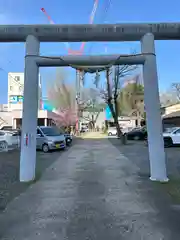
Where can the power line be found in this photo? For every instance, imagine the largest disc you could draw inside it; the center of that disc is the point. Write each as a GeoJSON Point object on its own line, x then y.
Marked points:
{"type": "Point", "coordinates": [52, 22]}
{"type": "Point", "coordinates": [2, 69]}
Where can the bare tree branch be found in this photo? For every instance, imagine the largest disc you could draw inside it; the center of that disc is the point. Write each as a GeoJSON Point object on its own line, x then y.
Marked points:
{"type": "Point", "coordinates": [176, 88]}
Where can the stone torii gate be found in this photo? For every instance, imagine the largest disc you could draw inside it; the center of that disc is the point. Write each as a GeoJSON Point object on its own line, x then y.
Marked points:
{"type": "Point", "coordinates": [146, 33]}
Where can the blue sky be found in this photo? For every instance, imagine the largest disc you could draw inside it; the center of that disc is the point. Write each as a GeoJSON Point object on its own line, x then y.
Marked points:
{"type": "Point", "coordinates": [78, 11]}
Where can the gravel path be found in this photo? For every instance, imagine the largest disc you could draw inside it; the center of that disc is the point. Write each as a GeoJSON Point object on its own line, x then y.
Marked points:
{"type": "Point", "coordinates": [92, 192]}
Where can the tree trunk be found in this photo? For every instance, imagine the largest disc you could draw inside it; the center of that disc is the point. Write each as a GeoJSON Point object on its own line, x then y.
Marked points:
{"type": "Point", "coordinates": [115, 117]}
{"type": "Point", "coordinates": [119, 133]}
{"type": "Point", "coordinates": [139, 118]}
{"type": "Point", "coordinates": [111, 107]}
{"type": "Point", "coordinates": [93, 122]}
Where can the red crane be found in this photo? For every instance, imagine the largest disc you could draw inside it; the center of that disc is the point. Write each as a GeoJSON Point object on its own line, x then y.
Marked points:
{"type": "Point", "coordinates": [71, 51]}
{"type": "Point", "coordinates": [75, 52]}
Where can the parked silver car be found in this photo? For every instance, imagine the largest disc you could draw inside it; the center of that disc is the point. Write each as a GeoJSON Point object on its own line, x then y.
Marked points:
{"type": "Point", "coordinates": [49, 138]}
{"type": "Point", "coordinates": [9, 140]}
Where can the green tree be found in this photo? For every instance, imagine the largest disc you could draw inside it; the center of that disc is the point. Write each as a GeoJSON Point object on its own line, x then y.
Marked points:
{"type": "Point", "coordinates": [113, 89]}
{"type": "Point", "coordinates": [131, 100]}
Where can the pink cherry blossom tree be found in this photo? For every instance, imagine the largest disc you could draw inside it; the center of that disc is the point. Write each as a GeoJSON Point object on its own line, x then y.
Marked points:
{"type": "Point", "coordinates": [63, 98]}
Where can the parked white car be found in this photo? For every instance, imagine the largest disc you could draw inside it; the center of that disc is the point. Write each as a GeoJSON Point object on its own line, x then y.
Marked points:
{"type": "Point", "coordinates": [113, 132]}
{"type": "Point", "coordinates": [8, 139]}
{"type": "Point", "coordinates": [171, 136]}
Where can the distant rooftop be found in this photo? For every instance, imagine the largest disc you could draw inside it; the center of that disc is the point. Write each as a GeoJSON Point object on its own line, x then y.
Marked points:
{"type": "Point", "coordinates": [172, 115]}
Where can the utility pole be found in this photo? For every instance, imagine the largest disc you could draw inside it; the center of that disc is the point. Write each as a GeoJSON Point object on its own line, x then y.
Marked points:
{"type": "Point", "coordinates": [79, 82]}
{"type": "Point", "coordinates": [97, 78]}
{"type": "Point", "coordinates": [77, 102]}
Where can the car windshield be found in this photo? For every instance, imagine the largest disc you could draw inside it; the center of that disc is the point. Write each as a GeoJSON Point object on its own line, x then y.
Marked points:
{"type": "Point", "coordinates": [137, 129]}
{"type": "Point", "coordinates": [169, 130]}
{"type": "Point", "coordinates": [51, 131]}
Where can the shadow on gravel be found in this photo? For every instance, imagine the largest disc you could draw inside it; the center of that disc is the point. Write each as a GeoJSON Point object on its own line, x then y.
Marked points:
{"type": "Point", "coordinates": [164, 196]}
{"type": "Point", "coordinates": [10, 187]}
{"type": "Point", "coordinates": [137, 152]}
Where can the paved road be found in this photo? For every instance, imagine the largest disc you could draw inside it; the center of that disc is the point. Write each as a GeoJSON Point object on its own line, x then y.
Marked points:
{"type": "Point", "coordinates": [91, 192]}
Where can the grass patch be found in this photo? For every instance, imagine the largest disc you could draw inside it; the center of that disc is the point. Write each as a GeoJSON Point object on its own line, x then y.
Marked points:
{"type": "Point", "coordinates": [10, 186]}
{"type": "Point", "coordinates": [172, 188]}
{"type": "Point", "coordinates": [105, 131]}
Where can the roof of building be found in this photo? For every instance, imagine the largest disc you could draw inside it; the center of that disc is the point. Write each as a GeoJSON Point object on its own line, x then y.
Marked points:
{"type": "Point", "coordinates": [170, 105]}
{"type": "Point", "coordinates": [172, 115]}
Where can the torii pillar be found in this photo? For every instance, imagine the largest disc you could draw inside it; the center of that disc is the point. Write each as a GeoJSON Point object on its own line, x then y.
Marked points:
{"type": "Point", "coordinates": [30, 111]}
{"type": "Point", "coordinates": [153, 114]}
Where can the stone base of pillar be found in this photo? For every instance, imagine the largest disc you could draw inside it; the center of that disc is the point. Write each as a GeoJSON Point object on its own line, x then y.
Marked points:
{"type": "Point", "coordinates": [159, 180]}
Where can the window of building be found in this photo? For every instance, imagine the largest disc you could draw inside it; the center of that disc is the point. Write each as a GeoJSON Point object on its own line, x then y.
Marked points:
{"type": "Point", "coordinates": [11, 88]}
{"type": "Point", "coordinates": [20, 88]}
{"type": "Point", "coordinates": [17, 78]}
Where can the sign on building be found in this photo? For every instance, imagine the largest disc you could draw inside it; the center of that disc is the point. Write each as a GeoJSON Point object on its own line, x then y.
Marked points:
{"type": "Point", "coordinates": [15, 99]}
{"type": "Point", "coordinates": [108, 113]}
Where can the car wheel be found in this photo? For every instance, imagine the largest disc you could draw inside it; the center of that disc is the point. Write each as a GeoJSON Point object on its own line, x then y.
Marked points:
{"type": "Point", "coordinates": [136, 138]}
{"type": "Point", "coordinates": [109, 134]}
{"type": "Point", "coordinates": [168, 142]}
{"type": "Point", "coordinates": [45, 148]}
{"type": "Point", "coordinates": [68, 142]}
{"type": "Point", "coordinates": [146, 142]}
{"type": "Point", "coordinates": [4, 145]}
